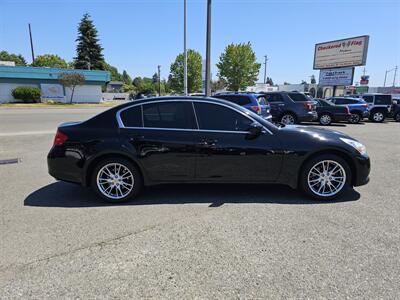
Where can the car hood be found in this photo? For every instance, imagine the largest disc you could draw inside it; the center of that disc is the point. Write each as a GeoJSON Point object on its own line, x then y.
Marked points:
{"type": "Point", "coordinates": [314, 132]}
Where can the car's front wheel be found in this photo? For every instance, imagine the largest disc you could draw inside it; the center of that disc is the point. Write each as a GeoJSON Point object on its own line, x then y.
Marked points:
{"type": "Point", "coordinates": [377, 116]}
{"type": "Point", "coordinates": [288, 119]}
{"type": "Point", "coordinates": [325, 177]}
{"type": "Point", "coordinates": [325, 119]}
{"type": "Point", "coordinates": [116, 180]}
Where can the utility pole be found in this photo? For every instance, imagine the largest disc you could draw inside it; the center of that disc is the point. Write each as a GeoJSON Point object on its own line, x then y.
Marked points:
{"type": "Point", "coordinates": [364, 71]}
{"type": "Point", "coordinates": [185, 87]}
{"type": "Point", "coordinates": [159, 80]}
{"type": "Point", "coordinates": [208, 51]}
{"type": "Point", "coordinates": [30, 37]}
{"type": "Point", "coordinates": [265, 68]}
{"type": "Point", "coordinates": [394, 77]}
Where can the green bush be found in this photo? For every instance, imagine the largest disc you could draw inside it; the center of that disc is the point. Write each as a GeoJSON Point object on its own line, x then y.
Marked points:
{"type": "Point", "coordinates": [27, 94]}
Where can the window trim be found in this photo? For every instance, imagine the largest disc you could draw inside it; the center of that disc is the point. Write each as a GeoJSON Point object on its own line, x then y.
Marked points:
{"type": "Point", "coordinates": [122, 125]}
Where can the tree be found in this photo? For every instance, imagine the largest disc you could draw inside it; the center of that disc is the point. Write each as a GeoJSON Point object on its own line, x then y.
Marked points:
{"type": "Point", "coordinates": [313, 81]}
{"type": "Point", "coordinates": [303, 82]}
{"type": "Point", "coordinates": [269, 81]}
{"type": "Point", "coordinates": [286, 83]}
{"type": "Point", "coordinates": [71, 80]}
{"type": "Point", "coordinates": [17, 58]}
{"type": "Point", "coordinates": [193, 72]}
{"type": "Point", "coordinates": [144, 85]}
{"type": "Point", "coordinates": [238, 67]}
{"type": "Point", "coordinates": [89, 51]}
{"type": "Point", "coordinates": [126, 78]}
{"type": "Point", "coordinates": [217, 85]}
{"type": "Point", "coordinates": [50, 60]}
{"type": "Point", "coordinates": [115, 75]}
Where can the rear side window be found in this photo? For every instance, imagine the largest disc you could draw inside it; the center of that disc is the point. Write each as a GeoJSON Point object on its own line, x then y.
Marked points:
{"type": "Point", "coordinates": [217, 117]}
{"type": "Point", "coordinates": [132, 117]}
{"type": "Point", "coordinates": [274, 97]}
{"type": "Point", "coordinates": [297, 97]}
{"type": "Point", "coordinates": [261, 100]}
{"type": "Point", "coordinates": [383, 99]}
{"type": "Point", "coordinates": [169, 115]}
{"type": "Point", "coordinates": [368, 99]}
{"type": "Point", "coordinates": [341, 101]}
{"type": "Point", "coordinates": [240, 100]}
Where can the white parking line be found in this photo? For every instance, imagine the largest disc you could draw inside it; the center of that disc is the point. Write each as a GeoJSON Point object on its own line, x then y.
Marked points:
{"type": "Point", "coordinates": [27, 133]}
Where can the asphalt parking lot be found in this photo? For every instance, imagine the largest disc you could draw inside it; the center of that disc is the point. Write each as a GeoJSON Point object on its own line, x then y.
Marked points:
{"type": "Point", "coordinates": [193, 241]}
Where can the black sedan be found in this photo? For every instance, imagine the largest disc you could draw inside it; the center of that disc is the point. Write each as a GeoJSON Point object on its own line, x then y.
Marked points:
{"type": "Point", "coordinates": [329, 113]}
{"type": "Point", "coordinates": [201, 140]}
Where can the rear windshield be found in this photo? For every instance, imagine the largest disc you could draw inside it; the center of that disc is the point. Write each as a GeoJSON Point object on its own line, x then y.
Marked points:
{"type": "Point", "coordinates": [297, 97]}
{"type": "Point", "coordinates": [261, 100]}
{"type": "Point", "coordinates": [383, 99]}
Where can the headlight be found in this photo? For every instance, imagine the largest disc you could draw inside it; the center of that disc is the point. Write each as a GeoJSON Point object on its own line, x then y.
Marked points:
{"type": "Point", "coordinates": [356, 145]}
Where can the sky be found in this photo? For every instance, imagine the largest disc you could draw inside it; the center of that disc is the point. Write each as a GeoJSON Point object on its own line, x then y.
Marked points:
{"type": "Point", "coordinates": [138, 35]}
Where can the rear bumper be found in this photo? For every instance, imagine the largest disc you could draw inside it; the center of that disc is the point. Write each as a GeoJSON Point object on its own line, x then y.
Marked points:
{"type": "Point", "coordinates": [65, 165]}
{"type": "Point", "coordinates": [308, 117]}
{"type": "Point", "coordinates": [363, 168]}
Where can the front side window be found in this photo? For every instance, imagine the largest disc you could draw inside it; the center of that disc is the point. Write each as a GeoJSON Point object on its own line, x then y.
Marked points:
{"type": "Point", "coordinates": [132, 117]}
{"type": "Point", "coordinates": [169, 115]}
{"type": "Point", "coordinates": [297, 97]}
{"type": "Point", "coordinates": [220, 118]}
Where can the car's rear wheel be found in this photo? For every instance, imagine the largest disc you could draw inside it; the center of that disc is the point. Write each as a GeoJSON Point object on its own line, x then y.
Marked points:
{"type": "Point", "coordinates": [325, 119]}
{"type": "Point", "coordinates": [355, 118]}
{"type": "Point", "coordinates": [325, 177]}
{"type": "Point", "coordinates": [288, 119]}
{"type": "Point", "coordinates": [116, 180]}
{"type": "Point", "coordinates": [377, 116]}
{"type": "Point", "coordinates": [397, 117]}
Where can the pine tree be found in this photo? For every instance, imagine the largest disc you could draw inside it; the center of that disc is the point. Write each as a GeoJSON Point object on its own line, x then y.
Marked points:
{"type": "Point", "coordinates": [88, 50]}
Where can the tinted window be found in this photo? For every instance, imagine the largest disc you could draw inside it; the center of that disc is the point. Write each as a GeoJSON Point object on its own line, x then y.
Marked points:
{"type": "Point", "coordinates": [368, 99]}
{"type": "Point", "coordinates": [383, 99]}
{"type": "Point", "coordinates": [240, 100]}
{"type": "Point", "coordinates": [297, 97]}
{"type": "Point", "coordinates": [340, 101]}
{"type": "Point", "coordinates": [274, 97]}
{"type": "Point", "coordinates": [169, 115]}
{"type": "Point", "coordinates": [217, 117]}
{"type": "Point", "coordinates": [132, 117]}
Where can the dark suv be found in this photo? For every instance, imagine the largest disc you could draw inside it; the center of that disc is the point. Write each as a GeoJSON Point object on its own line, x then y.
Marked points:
{"type": "Point", "coordinates": [291, 107]}
{"type": "Point", "coordinates": [254, 102]}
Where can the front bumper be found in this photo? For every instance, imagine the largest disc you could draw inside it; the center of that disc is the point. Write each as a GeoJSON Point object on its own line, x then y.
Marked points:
{"type": "Point", "coordinates": [365, 114]}
{"type": "Point", "coordinates": [363, 168]}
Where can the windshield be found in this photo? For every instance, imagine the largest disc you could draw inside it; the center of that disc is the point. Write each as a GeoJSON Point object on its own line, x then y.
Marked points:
{"type": "Point", "coordinates": [297, 97]}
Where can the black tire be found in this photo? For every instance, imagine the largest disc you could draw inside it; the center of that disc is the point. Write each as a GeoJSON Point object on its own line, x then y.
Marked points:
{"type": "Point", "coordinates": [137, 180]}
{"type": "Point", "coordinates": [303, 180]}
{"type": "Point", "coordinates": [288, 116]}
{"type": "Point", "coordinates": [355, 118]}
{"type": "Point", "coordinates": [325, 119]}
{"type": "Point", "coordinates": [397, 117]}
{"type": "Point", "coordinates": [377, 116]}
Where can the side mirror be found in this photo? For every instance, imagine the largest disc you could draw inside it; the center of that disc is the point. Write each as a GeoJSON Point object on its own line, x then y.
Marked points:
{"type": "Point", "coordinates": [254, 131]}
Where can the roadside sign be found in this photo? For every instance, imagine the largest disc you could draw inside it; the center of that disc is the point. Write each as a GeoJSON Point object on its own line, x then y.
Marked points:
{"type": "Point", "coordinates": [349, 52]}
{"type": "Point", "coordinates": [339, 76]}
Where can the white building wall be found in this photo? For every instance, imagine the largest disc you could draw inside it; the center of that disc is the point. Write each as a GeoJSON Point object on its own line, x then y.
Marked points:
{"type": "Point", "coordinates": [85, 93]}
{"type": "Point", "coordinates": [7, 88]}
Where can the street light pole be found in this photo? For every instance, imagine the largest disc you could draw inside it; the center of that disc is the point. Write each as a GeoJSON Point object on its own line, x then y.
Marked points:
{"type": "Point", "coordinates": [185, 87]}
{"type": "Point", "coordinates": [265, 68]}
{"type": "Point", "coordinates": [208, 51]}
{"type": "Point", "coordinates": [159, 80]}
{"type": "Point", "coordinates": [30, 38]}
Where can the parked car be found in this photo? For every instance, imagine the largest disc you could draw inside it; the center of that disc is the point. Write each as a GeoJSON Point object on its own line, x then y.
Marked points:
{"type": "Point", "coordinates": [291, 107]}
{"type": "Point", "coordinates": [359, 109]}
{"type": "Point", "coordinates": [251, 101]}
{"type": "Point", "coordinates": [203, 140]}
{"type": "Point", "coordinates": [329, 112]}
{"type": "Point", "coordinates": [379, 105]}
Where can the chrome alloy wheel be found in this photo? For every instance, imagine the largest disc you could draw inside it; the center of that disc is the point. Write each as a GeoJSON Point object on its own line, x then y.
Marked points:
{"type": "Point", "coordinates": [326, 178]}
{"type": "Point", "coordinates": [354, 118]}
{"type": "Point", "coordinates": [115, 181]}
{"type": "Point", "coordinates": [378, 116]}
{"type": "Point", "coordinates": [287, 120]}
{"type": "Point", "coordinates": [325, 119]}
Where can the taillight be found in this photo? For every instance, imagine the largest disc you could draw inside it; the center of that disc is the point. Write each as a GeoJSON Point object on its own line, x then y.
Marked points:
{"type": "Point", "coordinates": [365, 105]}
{"type": "Point", "coordinates": [60, 138]}
{"type": "Point", "coordinates": [256, 108]}
{"type": "Point", "coordinates": [308, 105]}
